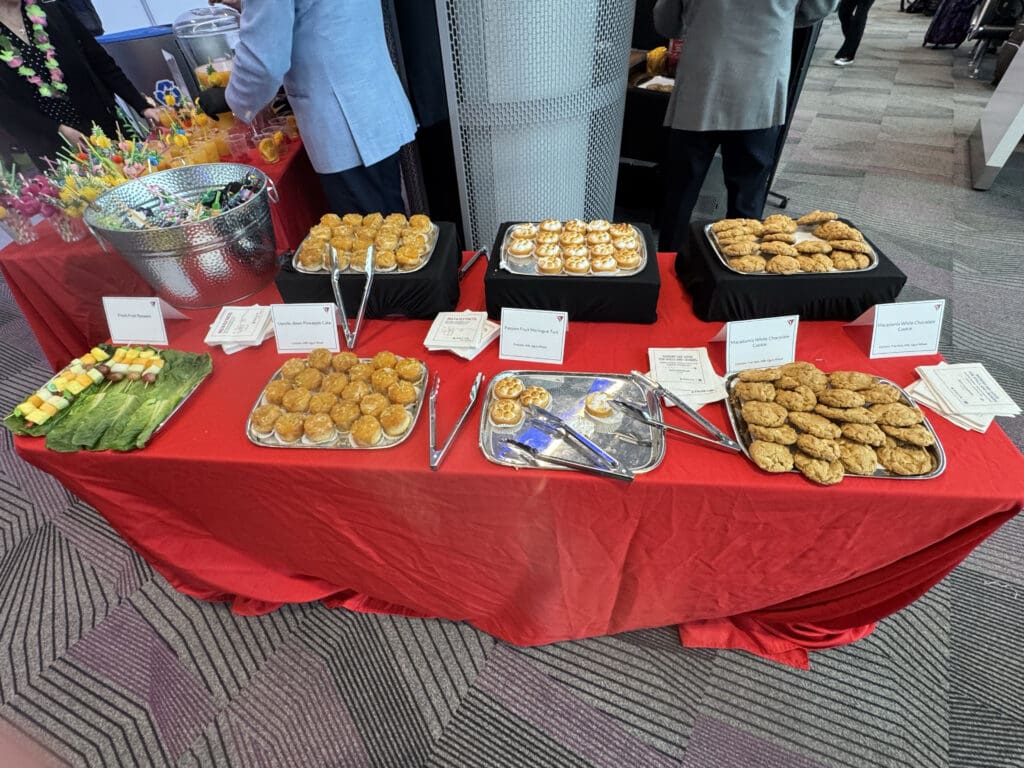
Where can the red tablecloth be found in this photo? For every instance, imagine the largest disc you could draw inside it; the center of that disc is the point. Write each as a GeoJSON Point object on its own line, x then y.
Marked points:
{"type": "Point", "coordinates": [739, 558]}
{"type": "Point", "coordinates": [59, 286]}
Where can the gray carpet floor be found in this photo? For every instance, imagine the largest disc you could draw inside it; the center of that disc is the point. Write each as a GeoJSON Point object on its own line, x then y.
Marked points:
{"type": "Point", "coordinates": [103, 664]}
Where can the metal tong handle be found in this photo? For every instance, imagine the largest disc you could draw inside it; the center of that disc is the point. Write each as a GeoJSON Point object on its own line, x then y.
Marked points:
{"type": "Point", "coordinates": [473, 260]}
{"type": "Point", "coordinates": [535, 457]}
{"type": "Point", "coordinates": [554, 421]}
{"type": "Point", "coordinates": [723, 438]}
{"type": "Point", "coordinates": [437, 456]}
{"type": "Point", "coordinates": [352, 335]}
{"type": "Point", "coordinates": [638, 413]}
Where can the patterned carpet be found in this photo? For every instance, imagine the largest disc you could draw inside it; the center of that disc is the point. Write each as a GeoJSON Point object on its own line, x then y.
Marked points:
{"type": "Point", "coordinates": [103, 664]}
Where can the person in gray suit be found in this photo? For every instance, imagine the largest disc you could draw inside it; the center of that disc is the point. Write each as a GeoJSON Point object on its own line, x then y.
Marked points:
{"type": "Point", "coordinates": [730, 92]}
{"type": "Point", "coordinates": [342, 86]}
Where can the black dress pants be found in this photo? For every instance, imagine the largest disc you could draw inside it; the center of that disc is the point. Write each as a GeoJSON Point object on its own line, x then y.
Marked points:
{"type": "Point", "coordinates": [366, 188]}
{"type": "Point", "coordinates": [853, 16]}
{"type": "Point", "coordinates": [747, 161]}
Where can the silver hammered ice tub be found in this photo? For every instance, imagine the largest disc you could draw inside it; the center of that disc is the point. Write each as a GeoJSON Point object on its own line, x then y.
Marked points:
{"type": "Point", "coordinates": [200, 264]}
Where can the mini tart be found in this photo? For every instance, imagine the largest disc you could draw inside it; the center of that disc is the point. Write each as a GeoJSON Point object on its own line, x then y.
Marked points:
{"type": "Point", "coordinates": [384, 261]}
{"type": "Point", "coordinates": [628, 243]}
{"type": "Point", "coordinates": [535, 396]}
{"type": "Point", "coordinates": [621, 230]}
{"type": "Point", "coordinates": [318, 429]}
{"type": "Point", "coordinates": [548, 238]}
{"type": "Point", "coordinates": [576, 251]}
{"type": "Point", "coordinates": [575, 225]}
{"type": "Point", "coordinates": [604, 264]}
{"type": "Point", "coordinates": [601, 250]}
{"type": "Point", "coordinates": [549, 265]}
{"type": "Point", "coordinates": [292, 368]}
{"type": "Point", "coordinates": [288, 427]}
{"type": "Point", "coordinates": [402, 393]}
{"type": "Point", "coordinates": [373, 404]}
{"type": "Point", "coordinates": [598, 405]}
{"type": "Point", "coordinates": [342, 361]}
{"type": "Point", "coordinates": [264, 418]}
{"type": "Point", "coordinates": [598, 238]}
{"type": "Point", "coordinates": [508, 388]}
{"type": "Point", "coordinates": [409, 369]}
{"type": "Point", "coordinates": [366, 431]}
{"type": "Point", "coordinates": [505, 413]}
{"type": "Point", "coordinates": [548, 251]}
{"type": "Point", "coordinates": [577, 265]}
{"type": "Point", "coordinates": [384, 359]}
{"type": "Point", "coordinates": [572, 238]}
{"type": "Point", "coordinates": [344, 414]}
{"type": "Point", "coordinates": [521, 249]}
{"type": "Point", "coordinates": [551, 225]}
{"type": "Point", "coordinates": [598, 225]}
{"type": "Point", "coordinates": [383, 378]}
{"type": "Point", "coordinates": [276, 390]}
{"type": "Point", "coordinates": [524, 231]}
{"type": "Point", "coordinates": [395, 420]}
{"type": "Point", "coordinates": [627, 259]}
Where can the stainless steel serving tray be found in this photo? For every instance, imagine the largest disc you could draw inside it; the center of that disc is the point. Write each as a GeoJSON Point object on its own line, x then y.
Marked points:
{"type": "Point", "coordinates": [343, 440]}
{"type": "Point", "coordinates": [529, 266]}
{"type": "Point", "coordinates": [739, 427]}
{"type": "Point", "coordinates": [431, 243]}
{"type": "Point", "coordinates": [801, 234]}
{"type": "Point", "coordinates": [568, 391]}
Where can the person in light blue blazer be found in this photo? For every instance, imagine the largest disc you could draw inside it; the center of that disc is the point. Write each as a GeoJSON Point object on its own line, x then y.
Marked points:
{"type": "Point", "coordinates": [353, 115]}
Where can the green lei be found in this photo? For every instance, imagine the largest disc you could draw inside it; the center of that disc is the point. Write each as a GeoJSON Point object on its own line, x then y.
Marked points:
{"type": "Point", "coordinates": [10, 56]}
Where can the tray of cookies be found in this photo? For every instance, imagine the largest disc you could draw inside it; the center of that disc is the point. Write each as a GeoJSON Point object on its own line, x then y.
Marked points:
{"type": "Point", "coordinates": [816, 243]}
{"type": "Point", "coordinates": [584, 402]}
{"type": "Point", "coordinates": [394, 242]}
{"type": "Point", "coordinates": [797, 418]}
{"type": "Point", "coordinates": [573, 248]}
{"type": "Point", "coordinates": [339, 401]}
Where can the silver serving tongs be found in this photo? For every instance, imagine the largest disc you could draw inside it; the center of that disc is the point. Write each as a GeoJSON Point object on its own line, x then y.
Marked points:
{"type": "Point", "coordinates": [719, 437]}
{"type": "Point", "coordinates": [437, 456]}
{"type": "Point", "coordinates": [473, 260]}
{"type": "Point", "coordinates": [535, 457]}
{"type": "Point", "coordinates": [548, 422]}
{"type": "Point", "coordinates": [352, 335]}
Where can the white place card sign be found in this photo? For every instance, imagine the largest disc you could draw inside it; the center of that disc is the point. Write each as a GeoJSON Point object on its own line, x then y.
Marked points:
{"type": "Point", "coordinates": [299, 328]}
{"type": "Point", "coordinates": [533, 335]}
{"type": "Point", "coordinates": [905, 329]}
{"type": "Point", "coordinates": [759, 343]}
{"type": "Point", "coordinates": [136, 320]}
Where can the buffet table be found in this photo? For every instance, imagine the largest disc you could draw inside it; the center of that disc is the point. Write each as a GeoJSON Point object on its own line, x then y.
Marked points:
{"type": "Point", "coordinates": [737, 557]}
{"type": "Point", "coordinates": [59, 286]}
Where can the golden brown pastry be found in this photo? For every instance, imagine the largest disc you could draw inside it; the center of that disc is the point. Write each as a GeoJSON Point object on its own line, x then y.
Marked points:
{"type": "Point", "coordinates": [288, 427]}
{"type": "Point", "coordinates": [575, 225]}
{"type": "Point", "coordinates": [598, 238]}
{"type": "Point", "coordinates": [344, 413]}
{"type": "Point", "coordinates": [320, 359]}
{"type": "Point", "coordinates": [521, 249]}
{"type": "Point", "coordinates": [384, 359]}
{"type": "Point", "coordinates": [361, 372]}
{"type": "Point", "coordinates": [535, 396]}
{"type": "Point", "coordinates": [296, 400]}
{"type": "Point", "coordinates": [355, 391]}
{"type": "Point", "coordinates": [343, 361]}
{"type": "Point", "coordinates": [524, 231]}
{"type": "Point", "coordinates": [550, 225]}
{"type": "Point", "coordinates": [383, 378]}
{"type": "Point", "coordinates": [373, 404]}
{"type": "Point", "coordinates": [402, 393]}
{"type": "Point", "coordinates": [547, 238]}
{"type": "Point", "coordinates": [310, 379]}
{"type": "Point", "coordinates": [407, 258]}
{"type": "Point", "coordinates": [386, 241]}
{"type": "Point", "coordinates": [312, 254]}
{"type": "Point", "coordinates": [318, 429]}
{"type": "Point", "coordinates": [549, 265]}
{"type": "Point", "coordinates": [322, 402]}
{"type": "Point", "coordinates": [548, 251]}
{"type": "Point", "coordinates": [598, 405]}
{"type": "Point", "coordinates": [331, 220]}
{"type": "Point", "coordinates": [384, 261]}
{"type": "Point", "coordinates": [572, 238]}
{"type": "Point", "coordinates": [576, 252]}
{"type": "Point", "coordinates": [334, 383]}
{"type": "Point", "coordinates": [343, 230]}
{"type": "Point", "coordinates": [276, 390]}
{"type": "Point", "coordinates": [771, 457]}
{"type": "Point", "coordinates": [409, 369]}
{"type": "Point", "coordinates": [395, 420]}
{"type": "Point", "coordinates": [577, 265]}
{"type": "Point", "coordinates": [396, 220]}
{"type": "Point", "coordinates": [598, 225]}
{"type": "Point", "coordinates": [353, 219]}
{"type": "Point", "coordinates": [292, 368]}
{"type": "Point", "coordinates": [508, 387]}
{"type": "Point", "coordinates": [263, 419]}
{"type": "Point", "coordinates": [366, 431]}
{"type": "Point", "coordinates": [604, 264]}
{"type": "Point", "coordinates": [621, 229]}
{"type": "Point", "coordinates": [627, 259]}
{"type": "Point", "coordinates": [505, 413]}
{"type": "Point", "coordinates": [602, 250]}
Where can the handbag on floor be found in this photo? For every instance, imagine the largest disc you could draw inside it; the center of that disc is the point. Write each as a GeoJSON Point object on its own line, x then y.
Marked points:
{"type": "Point", "coordinates": [950, 24]}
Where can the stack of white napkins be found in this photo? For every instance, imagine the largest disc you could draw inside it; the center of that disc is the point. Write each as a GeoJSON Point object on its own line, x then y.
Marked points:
{"type": "Point", "coordinates": [464, 333]}
{"type": "Point", "coordinates": [687, 373]}
{"type": "Point", "coordinates": [238, 328]}
{"type": "Point", "coordinates": [964, 393]}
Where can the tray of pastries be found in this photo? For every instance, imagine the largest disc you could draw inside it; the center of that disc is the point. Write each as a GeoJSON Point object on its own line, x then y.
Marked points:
{"type": "Point", "coordinates": [339, 400]}
{"type": "Point", "coordinates": [817, 242]}
{"type": "Point", "coordinates": [394, 242]}
{"type": "Point", "coordinates": [797, 418]}
{"type": "Point", "coordinates": [581, 400]}
{"type": "Point", "coordinates": [573, 248]}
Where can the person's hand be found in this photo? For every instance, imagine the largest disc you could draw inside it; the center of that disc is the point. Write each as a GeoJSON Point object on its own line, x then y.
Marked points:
{"type": "Point", "coordinates": [75, 138]}
{"type": "Point", "coordinates": [152, 114]}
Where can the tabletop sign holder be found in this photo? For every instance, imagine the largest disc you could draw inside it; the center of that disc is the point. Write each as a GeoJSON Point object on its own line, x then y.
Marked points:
{"type": "Point", "coordinates": [437, 455]}
{"type": "Point", "coordinates": [352, 335]}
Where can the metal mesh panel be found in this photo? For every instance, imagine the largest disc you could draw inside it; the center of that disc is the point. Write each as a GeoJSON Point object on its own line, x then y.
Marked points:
{"type": "Point", "coordinates": [536, 92]}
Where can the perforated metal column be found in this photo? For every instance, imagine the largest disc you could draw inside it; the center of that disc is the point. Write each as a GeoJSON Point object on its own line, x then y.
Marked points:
{"type": "Point", "coordinates": [536, 90]}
